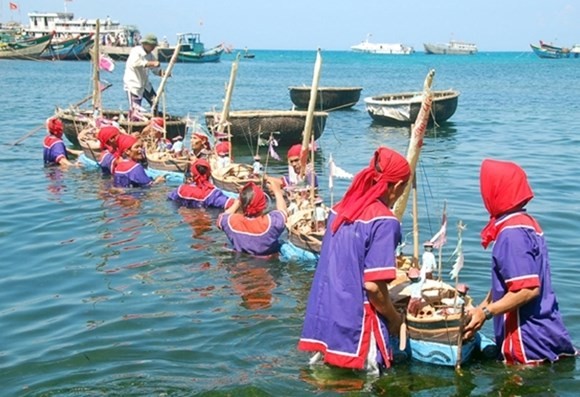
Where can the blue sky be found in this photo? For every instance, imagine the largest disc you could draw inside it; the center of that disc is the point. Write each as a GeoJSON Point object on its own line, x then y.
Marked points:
{"type": "Point", "coordinates": [493, 25]}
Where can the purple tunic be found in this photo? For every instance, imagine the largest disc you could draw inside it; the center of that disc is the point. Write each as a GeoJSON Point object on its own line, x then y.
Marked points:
{"type": "Point", "coordinates": [193, 197]}
{"type": "Point", "coordinates": [54, 150]}
{"type": "Point", "coordinates": [340, 322]}
{"type": "Point", "coordinates": [534, 332]}
{"type": "Point", "coordinates": [128, 173]}
{"type": "Point", "coordinates": [106, 162]}
{"type": "Point", "coordinates": [256, 236]}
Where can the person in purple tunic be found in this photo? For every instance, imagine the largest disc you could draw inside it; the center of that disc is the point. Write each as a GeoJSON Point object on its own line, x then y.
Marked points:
{"type": "Point", "coordinates": [108, 136]}
{"type": "Point", "coordinates": [527, 323]}
{"type": "Point", "coordinates": [201, 193]}
{"type": "Point", "coordinates": [54, 152]}
{"type": "Point", "coordinates": [349, 315]}
{"type": "Point", "coordinates": [127, 171]}
{"type": "Point", "coordinates": [252, 231]}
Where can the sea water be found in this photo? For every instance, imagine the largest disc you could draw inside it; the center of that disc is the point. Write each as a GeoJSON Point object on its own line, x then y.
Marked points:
{"type": "Point", "coordinates": [125, 294]}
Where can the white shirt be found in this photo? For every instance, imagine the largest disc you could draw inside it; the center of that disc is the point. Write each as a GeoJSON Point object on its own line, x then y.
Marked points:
{"type": "Point", "coordinates": [428, 262]}
{"type": "Point", "coordinates": [135, 79]}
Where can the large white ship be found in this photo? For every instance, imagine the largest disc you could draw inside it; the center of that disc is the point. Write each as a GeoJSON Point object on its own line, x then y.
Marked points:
{"type": "Point", "coordinates": [382, 48]}
{"type": "Point", "coordinates": [451, 48]}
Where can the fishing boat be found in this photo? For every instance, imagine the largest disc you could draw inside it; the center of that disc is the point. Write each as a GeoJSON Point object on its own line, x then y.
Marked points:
{"type": "Point", "coordinates": [328, 98]}
{"type": "Point", "coordinates": [115, 39]}
{"type": "Point", "coordinates": [192, 50]}
{"type": "Point", "coordinates": [551, 51]}
{"type": "Point", "coordinates": [382, 48]}
{"type": "Point", "coordinates": [452, 48]}
{"type": "Point", "coordinates": [75, 48]}
{"type": "Point", "coordinates": [403, 108]}
{"type": "Point", "coordinates": [25, 49]}
{"type": "Point", "coordinates": [75, 120]}
{"type": "Point", "coordinates": [248, 125]}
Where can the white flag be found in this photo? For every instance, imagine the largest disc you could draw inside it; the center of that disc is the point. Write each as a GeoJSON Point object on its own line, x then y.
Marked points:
{"type": "Point", "coordinates": [440, 238]}
{"type": "Point", "coordinates": [458, 265]}
{"type": "Point", "coordinates": [336, 172]}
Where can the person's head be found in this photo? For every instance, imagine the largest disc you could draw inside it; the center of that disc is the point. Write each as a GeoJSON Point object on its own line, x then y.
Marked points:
{"type": "Point", "coordinates": [428, 246]}
{"type": "Point", "coordinates": [294, 157]}
{"type": "Point", "coordinates": [199, 141]}
{"type": "Point", "coordinates": [257, 158]}
{"type": "Point", "coordinates": [108, 136]}
{"type": "Point", "coordinates": [504, 187]}
{"type": "Point", "coordinates": [200, 171]}
{"type": "Point", "coordinates": [149, 42]}
{"type": "Point", "coordinates": [129, 146]}
{"type": "Point", "coordinates": [223, 149]}
{"type": "Point", "coordinates": [54, 127]}
{"type": "Point", "coordinates": [253, 200]}
{"type": "Point", "coordinates": [384, 179]}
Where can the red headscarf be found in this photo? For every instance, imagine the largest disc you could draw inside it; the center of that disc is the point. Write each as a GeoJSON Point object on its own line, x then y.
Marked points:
{"type": "Point", "coordinates": [105, 134]}
{"type": "Point", "coordinates": [54, 126]}
{"type": "Point", "coordinates": [386, 166]}
{"type": "Point", "coordinates": [201, 180]}
{"type": "Point", "coordinates": [124, 143]}
{"type": "Point", "coordinates": [222, 149]}
{"type": "Point", "coordinates": [258, 202]}
{"type": "Point", "coordinates": [295, 150]}
{"type": "Point", "coordinates": [158, 124]}
{"type": "Point", "coordinates": [504, 187]}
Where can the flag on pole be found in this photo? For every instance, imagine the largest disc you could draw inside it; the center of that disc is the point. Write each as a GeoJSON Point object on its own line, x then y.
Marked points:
{"type": "Point", "coordinates": [271, 150]}
{"type": "Point", "coordinates": [106, 63]}
{"type": "Point", "coordinates": [336, 172]}
{"type": "Point", "coordinates": [13, 6]}
{"type": "Point", "coordinates": [458, 265]}
{"type": "Point", "coordinates": [440, 238]}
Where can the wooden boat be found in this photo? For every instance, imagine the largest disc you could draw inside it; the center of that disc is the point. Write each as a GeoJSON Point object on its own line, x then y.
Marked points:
{"type": "Point", "coordinates": [452, 48]}
{"type": "Point", "coordinates": [164, 161]}
{"type": "Point", "coordinates": [192, 50]}
{"type": "Point", "coordinates": [70, 49]}
{"type": "Point", "coordinates": [233, 177]}
{"type": "Point", "coordinates": [550, 52]}
{"type": "Point", "coordinates": [403, 108]}
{"type": "Point", "coordinates": [25, 49]}
{"type": "Point", "coordinates": [89, 143]}
{"type": "Point", "coordinates": [75, 120]}
{"type": "Point", "coordinates": [329, 98]}
{"type": "Point", "coordinates": [301, 231]}
{"type": "Point", "coordinates": [247, 125]}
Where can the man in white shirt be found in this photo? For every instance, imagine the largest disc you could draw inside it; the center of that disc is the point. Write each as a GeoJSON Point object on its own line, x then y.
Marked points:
{"type": "Point", "coordinates": [136, 80]}
{"type": "Point", "coordinates": [428, 262]}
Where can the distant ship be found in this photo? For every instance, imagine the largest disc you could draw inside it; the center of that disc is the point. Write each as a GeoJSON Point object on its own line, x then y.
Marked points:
{"type": "Point", "coordinates": [451, 48]}
{"type": "Point", "coordinates": [382, 48]}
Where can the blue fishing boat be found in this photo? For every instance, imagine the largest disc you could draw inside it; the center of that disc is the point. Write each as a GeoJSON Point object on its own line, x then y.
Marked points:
{"type": "Point", "coordinates": [192, 50]}
{"type": "Point", "coordinates": [74, 48]}
{"type": "Point", "coordinates": [25, 49]}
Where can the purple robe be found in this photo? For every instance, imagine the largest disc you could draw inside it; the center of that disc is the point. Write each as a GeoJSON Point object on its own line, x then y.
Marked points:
{"type": "Point", "coordinates": [340, 322]}
{"type": "Point", "coordinates": [128, 173]}
{"type": "Point", "coordinates": [192, 196]}
{"type": "Point", "coordinates": [256, 236]}
{"type": "Point", "coordinates": [106, 162]}
{"type": "Point", "coordinates": [54, 150]}
{"type": "Point", "coordinates": [535, 331]}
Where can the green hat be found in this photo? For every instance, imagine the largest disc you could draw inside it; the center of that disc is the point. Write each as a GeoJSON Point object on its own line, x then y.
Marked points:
{"type": "Point", "coordinates": [149, 39]}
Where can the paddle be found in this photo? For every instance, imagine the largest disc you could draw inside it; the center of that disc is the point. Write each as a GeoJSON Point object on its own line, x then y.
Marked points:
{"type": "Point", "coordinates": [36, 129]}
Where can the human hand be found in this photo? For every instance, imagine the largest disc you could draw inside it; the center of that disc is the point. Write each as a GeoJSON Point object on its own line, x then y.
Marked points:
{"type": "Point", "coordinates": [153, 64]}
{"type": "Point", "coordinates": [274, 183]}
{"type": "Point", "coordinates": [477, 319]}
{"type": "Point", "coordinates": [394, 324]}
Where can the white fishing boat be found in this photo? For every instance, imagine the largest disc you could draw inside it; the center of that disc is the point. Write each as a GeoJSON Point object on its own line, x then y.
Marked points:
{"type": "Point", "coordinates": [382, 48]}
{"type": "Point", "coordinates": [452, 48]}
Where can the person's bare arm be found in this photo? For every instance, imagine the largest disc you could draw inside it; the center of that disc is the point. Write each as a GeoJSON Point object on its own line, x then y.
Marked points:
{"type": "Point", "coordinates": [378, 294]}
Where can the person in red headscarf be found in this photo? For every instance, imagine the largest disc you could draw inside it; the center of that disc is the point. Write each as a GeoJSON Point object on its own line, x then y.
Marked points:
{"type": "Point", "coordinates": [222, 149]}
{"type": "Point", "coordinates": [528, 326]}
{"type": "Point", "coordinates": [54, 152]}
{"type": "Point", "coordinates": [200, 193]}
{"type": "Point", "coordinates": [200, 146]}
{"type": "Point", "coordinates": [349, 315]}
{"type": "Point", "coordinates": [108, 136]}
{"type": "Point", "coordinates": [293, 178]}
{"type": "Point", "coordinates": [128, 171]}
{"type": "Point", "coordinates": [246, 225]}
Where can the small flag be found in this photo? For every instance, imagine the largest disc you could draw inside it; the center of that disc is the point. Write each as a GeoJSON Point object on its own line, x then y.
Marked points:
{"type": "Point", "coordinates": [336, 172]}
{"type": "Point", "coordinates": [13, 6]}
{"type": "Point", "coordinates": [458, 265]}
{"type": "Point", "coordinates": [271, 150]}
{"type": "Point", "coordinates": [440, 238]}
{"type": "Point", "coordinates": [106, 63]}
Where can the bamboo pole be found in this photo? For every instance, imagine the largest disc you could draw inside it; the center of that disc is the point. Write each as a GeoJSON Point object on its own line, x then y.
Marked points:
{"type": "Point", "coordinates": [307, 133]}
{"type": "Point", "coordinates": [416, 141]}
{"type": "Point", "coordinates": [416, 243]}
{"type": "Point", "coordinates": [166, 75]}
{"type": "Point", "coordinates": [96, 79]}
{"type": "Point", "coordinates": [228, 99]}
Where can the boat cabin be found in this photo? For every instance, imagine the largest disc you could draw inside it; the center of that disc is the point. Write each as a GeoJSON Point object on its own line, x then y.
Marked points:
{"type": "Point", "coordinates": [190, 42]}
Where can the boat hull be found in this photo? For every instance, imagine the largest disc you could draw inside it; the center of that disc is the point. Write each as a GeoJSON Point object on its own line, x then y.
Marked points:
{"type": "Point", "coordinates": [402, 108]}
{"type": "Point", "coordinates": [212, 55]}
{"type": "Point", "coordinates": [450, 49]}
{"type": "Point", "coordinates": [327, 99]}
{"type": "Point", "coordinates": [25, 49]}
{"type": "Point", "coordinates": [249, 125]}
{"type": "Point", "coordinates": [72, 49]}
{"type": "Point", "coordinates": [550, 52]}
{"type": "Point", "coordinates": [74, 122]}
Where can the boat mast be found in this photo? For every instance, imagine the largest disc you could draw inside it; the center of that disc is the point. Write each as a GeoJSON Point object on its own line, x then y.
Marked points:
{"type": "Point", "coordinates": [163, 83]}
{"type": "Point", "coordinates": [96, 79]}
{"type": "Point", "coordinates": [307, 133]}
{"type": "Point", "coordinates": [415, 144]}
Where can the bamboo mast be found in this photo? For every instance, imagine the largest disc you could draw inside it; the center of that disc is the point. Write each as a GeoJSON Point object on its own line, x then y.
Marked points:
{"type": "Point", "coordinates": [166, 75]}
{"type": "Point", "coordinates": [307, 133]}
{"type": "Point", "coordinates": [228, 99]}
{"type": "Point", "coordinates": [96, 56]}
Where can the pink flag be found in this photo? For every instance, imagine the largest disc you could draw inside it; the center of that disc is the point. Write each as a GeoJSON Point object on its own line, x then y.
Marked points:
{"type": "Point", "coordinates": [440, 238]}
{"type": "Point", "coordinates": [106, 63]}
{"type": "Point", "coordinates": [271, 150]}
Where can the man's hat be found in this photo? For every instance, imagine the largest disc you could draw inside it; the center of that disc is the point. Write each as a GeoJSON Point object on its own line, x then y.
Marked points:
{"type": "Point", "coordinates": [149, 39]}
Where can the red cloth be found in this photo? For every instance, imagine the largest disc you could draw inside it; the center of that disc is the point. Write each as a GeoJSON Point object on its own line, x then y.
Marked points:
{"type": "Point", "coordinates": [105, 134]}
{"type": "Point", "coordinates": [158, 123]}
{"type": "Point", "coordinates": [295, 150]}
{"type": "Point", "coordinates": [504, 187]}
{"type": "Point", "coordinates": [386, 166]}
{"type": "Point", "coordinates": [258, 202]}
{"type": "Point", "coordinates": [222, 149]}
{"type": "Point", "coordinates": [54, 126]}
{"type": "Point", "coordinates": [202, 180]}
{"type": "Point", "coordinates": [124, 143]}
